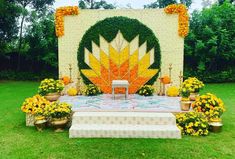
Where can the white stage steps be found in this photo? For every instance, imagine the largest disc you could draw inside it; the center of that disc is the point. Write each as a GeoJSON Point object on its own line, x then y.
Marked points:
{"type": "Point", "coordinates": [123, 125]}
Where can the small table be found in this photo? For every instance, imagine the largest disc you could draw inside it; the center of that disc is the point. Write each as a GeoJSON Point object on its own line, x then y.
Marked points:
{"type": "Point", "coordinates": [120, 84]}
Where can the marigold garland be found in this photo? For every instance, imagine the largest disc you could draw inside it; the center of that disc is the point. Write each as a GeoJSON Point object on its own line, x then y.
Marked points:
{"type": "Point", "coordinates": [183, 20]}
{"type": "Point", "coordinates": [59, 17]}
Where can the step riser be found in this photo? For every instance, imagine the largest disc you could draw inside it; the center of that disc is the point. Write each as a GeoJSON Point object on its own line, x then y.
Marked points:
{"type": "Point", "coordinates": [124, 120]}
{"type": "Point", "coordinates": [124, 134]}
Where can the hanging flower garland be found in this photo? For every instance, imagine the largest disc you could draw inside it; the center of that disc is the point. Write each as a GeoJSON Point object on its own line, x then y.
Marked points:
{"type": "Point", "coordinates": [183, 21]}
{"type": "Point", "coordinates": [59, 17]}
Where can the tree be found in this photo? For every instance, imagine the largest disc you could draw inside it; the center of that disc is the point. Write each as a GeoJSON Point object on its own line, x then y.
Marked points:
{"type": "Point", "coordinates": [8, 24]}
{"type": "Point", "coordinates": [210, 45]}
{"type": "Point", "coordinates": [92, 4]}
{"type": "Point", "coordinates": [25, 6]}
{"type": "Point", "coordinates": [164, 3]}
{"type": "Point", "coordinates": [41, 40]}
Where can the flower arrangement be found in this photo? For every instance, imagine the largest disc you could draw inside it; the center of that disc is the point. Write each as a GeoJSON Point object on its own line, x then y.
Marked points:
{"type": "Point", "coordinates": [59, 17]}
{"type": "Point", "coordinates": [192, 123]}
{"type": "Point", "coordinates": [210, 105]}
{"type": "Point", "coordinates": [165, 80]}
{"type": "Point", "coordinates": [35, 105]}
{"type": "Point", "coordinates": [92, 90]}
{"type": "Point", "coordinates": [183, 20]}
{"type": "Point", "coordinates": [66, 80]}
{"type": "Point", "coordinates": [146, 90]}
{"type": "Point", "coordinates": [193, 84]}
{"type": "Point", "coordinates": [50, 86]}
{"type": "Point", "coordinates": [173, 91]}
{"type": "Point", "coordinates": [58, 110]}
{"type": "Point", "coordinates": [72, 91]}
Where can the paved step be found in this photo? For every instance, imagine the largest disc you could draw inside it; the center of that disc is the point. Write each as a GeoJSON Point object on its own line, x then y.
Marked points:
{"type": "Point", "coordinates": [123, 131]}
{"type": "Point", "coordinates": [131, 118]}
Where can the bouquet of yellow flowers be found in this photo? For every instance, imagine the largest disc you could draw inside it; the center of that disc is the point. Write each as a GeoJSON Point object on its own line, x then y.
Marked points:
{"type": "Point", "coordinates": [35, 105]}
{"type": "Point", "coordinates": [210, 105]}
{"type": "Point", "coordinates": [58, 110]}
{"type": "Point", "coordinates": [50, 86]}
{"type": "Point", "coordinates": [184, 93]}
{"type": "Point", "coordinates": [193, 84]}
{"type": "Point", "coordinates": [192, 123]}
{"type": "Point", "coordinates": [146, 90]}
{"type": "Point", "coordinates": [92, 90]}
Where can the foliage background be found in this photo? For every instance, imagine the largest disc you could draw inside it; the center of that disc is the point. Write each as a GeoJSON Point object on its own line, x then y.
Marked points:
{"type": "Point", "coordinates": [28, 45]}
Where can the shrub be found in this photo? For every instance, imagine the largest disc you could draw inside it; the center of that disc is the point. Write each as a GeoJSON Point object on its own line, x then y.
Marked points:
{"type": "Point", "coordinates": [192, 123]}
{"type": "Point", "coordinates": [50, 86]}
{"type": "Point", "coordinates": [92, 90]}
{"type": "Point", "coordinates": [146, 90]}
{"type": "Point", "coordinates": [210, 105]}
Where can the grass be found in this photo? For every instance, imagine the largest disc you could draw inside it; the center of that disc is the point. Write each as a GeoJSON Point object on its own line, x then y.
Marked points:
{"type": "Point", "coordinates": [19, 141]}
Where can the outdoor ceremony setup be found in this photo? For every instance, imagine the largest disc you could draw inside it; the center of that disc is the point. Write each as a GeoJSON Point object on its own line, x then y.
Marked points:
{"type": "Point", "coordinates": [121, 76]}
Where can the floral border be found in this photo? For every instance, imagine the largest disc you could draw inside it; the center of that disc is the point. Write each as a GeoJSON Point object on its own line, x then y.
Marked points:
{"type": "Point", "coordinates": [59, 18]}
{"type": "Point", "coordinates": [183, 20]}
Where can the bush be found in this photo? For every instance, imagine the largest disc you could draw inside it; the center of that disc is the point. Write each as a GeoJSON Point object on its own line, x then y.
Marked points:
{"type": "Point", "coordinates": [92, 90]}
{"type": "Point", "coordinates": [146, 90]}
{"type": "Point", "coordinates": [25, 76]}
{"type": "Point", "coordinates": [210, 105]}
{"type": "Point", "coordinates": [192, 123]}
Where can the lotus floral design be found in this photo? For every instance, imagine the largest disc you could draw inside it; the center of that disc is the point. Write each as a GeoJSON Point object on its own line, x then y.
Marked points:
{"type": "Point", "coordinates": [119, 60]}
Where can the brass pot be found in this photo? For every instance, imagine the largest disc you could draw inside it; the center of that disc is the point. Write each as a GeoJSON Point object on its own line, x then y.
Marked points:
{"type": "Point", "coordinates": [52, 96]}
{"type": "Point", "coordinates": [193, 96]}
{"type": "Point", "coordinates": [40, 124]}
{"type": "Point", "coordinates": [185, 105]}
{"type": "Point", "coordinates": [59, 124]}
{"type": "Point", "coordinates": [215, 126]}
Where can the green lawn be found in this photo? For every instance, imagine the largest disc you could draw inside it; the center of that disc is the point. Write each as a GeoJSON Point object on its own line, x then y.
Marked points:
{"type": "Point", "coordinates": [19, 141]}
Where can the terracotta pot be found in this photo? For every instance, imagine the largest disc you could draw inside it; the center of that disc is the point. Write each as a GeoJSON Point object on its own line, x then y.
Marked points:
{"type": "Point", "coordinates": [40, 124]}
{"type": "Point", "coordinates": [193, 96]}
{"type": "Point", "coordinates": [52, 96]}
{"type": "Point", "coordinates": [215, 126]}
{"type": "Point", "coordinates": [59, 124]}
{"type": "Point", "coordinates": [185, 105]}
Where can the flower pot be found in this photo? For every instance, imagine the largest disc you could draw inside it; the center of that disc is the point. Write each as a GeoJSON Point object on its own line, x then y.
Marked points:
{"type": "Point", "coordinates": [40, 124]}
{"type": "Point", "coordinates": [52, 96]}
{"type": "Point", "coordinates": [215, 126]}
{"type": "Point", "coordinates": [185, 105]}
{"type": "Point", "coordinates": [193, 96]}
{"type": "Point", "coordinates": [59, 124]}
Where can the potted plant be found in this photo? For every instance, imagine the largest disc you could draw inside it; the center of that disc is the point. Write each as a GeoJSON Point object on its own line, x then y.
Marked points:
{"type": "Point", "coordinates": [34, 108]}
{"type": "Point", "coordinates": [59, 114]}
{"type": "Point", "coordinates": [146, 90]}
{"type": "Point", "coordinates": [92, 90]}
{"type": "Point", "coordinates": [194, 86]}
{"type": "Point", "coordinates": [51, 89]}
{"type": "Point", "coordinates": [212, 107]}
{"type": "Point", "coordinates": [185, 102]}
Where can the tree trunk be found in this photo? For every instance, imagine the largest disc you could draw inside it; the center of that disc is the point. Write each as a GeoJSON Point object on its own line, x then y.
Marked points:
{"type": "Point", "coordinates": [20, 42]}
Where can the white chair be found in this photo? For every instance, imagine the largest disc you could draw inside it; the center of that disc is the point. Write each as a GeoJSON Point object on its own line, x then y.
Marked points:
{"type": "Point", "coordinates": [120, 84]}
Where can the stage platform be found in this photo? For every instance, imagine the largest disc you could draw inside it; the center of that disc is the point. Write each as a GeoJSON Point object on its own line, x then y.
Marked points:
{"type": "Point", "coordinates": [134, 103]}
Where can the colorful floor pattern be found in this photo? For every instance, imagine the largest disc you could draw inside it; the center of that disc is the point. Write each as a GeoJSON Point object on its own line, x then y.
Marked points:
{"type": "Point", "coordinates": [134, 102]}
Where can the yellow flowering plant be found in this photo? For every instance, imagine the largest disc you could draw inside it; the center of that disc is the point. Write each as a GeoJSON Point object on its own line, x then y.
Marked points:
{"type": "Point", "coordinates": [192, 123]}
{"type": "Point", "coordinates": [92, 90]}
{"type": "Point", "coordinates": [58, 110]}
{"type": "Point", "coordinates": [35, 105]}
{"type": "Point", "coordinates": [210, 105]}
{"type": "Point", "coordinates": [50, 86]}
{"type": "Point", "coordinates": [193, 84]}
{"type": "Point", "coordinates": [146, 90]}
{"type": "Point", "coordinates": [173, 91]}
